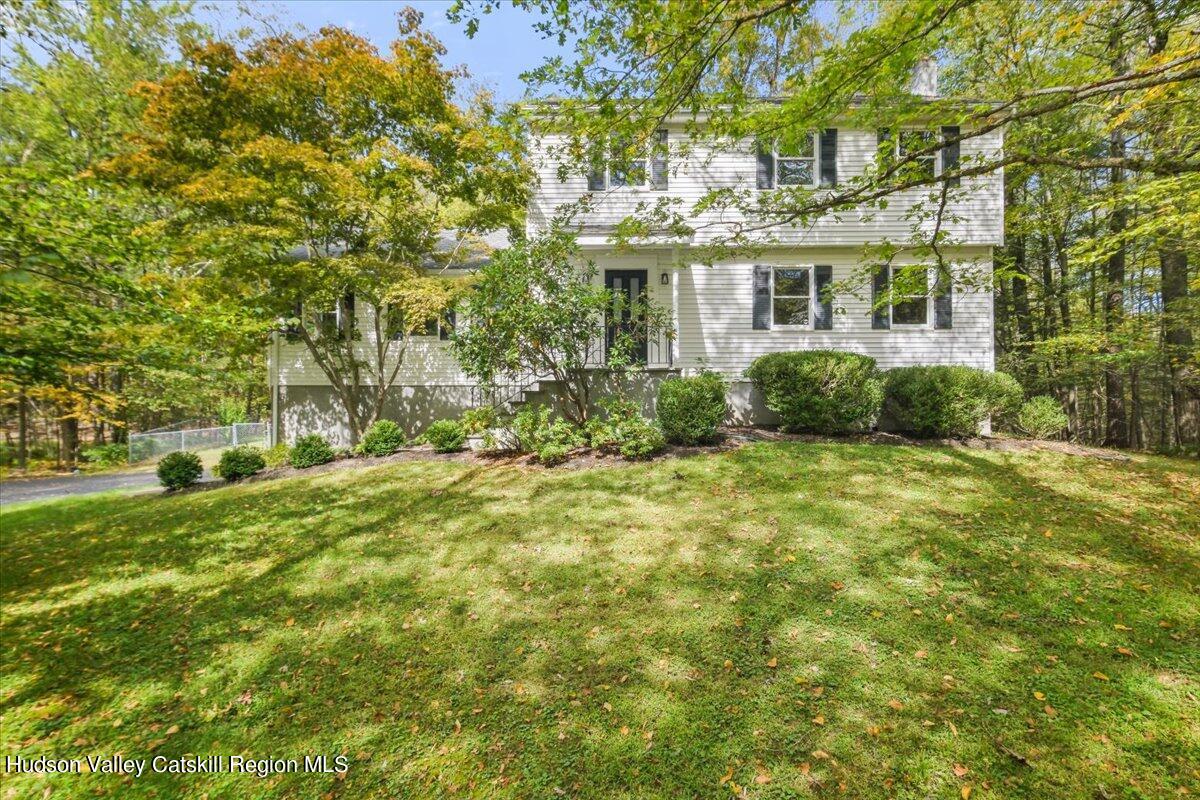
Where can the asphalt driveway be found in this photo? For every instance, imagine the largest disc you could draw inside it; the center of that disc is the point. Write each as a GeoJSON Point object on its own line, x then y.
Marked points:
{"type": "Point", "coordinates": [25, 489]}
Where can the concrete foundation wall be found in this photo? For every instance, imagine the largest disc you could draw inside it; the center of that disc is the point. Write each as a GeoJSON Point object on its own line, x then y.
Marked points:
{"type": "Point", "coordinates": [315, 409]}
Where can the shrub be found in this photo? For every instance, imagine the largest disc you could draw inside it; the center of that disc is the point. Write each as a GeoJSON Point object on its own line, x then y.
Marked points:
{"type": "Point", "coordinates": [478, 420]}
{"type": "Point", "coordinates": [383, 438]}
{"type": "Point", "coordinates": [535, 430]}
{"type": "Point", "coordinates": [690, 409]}
{"type": "Point", "coordinates": [527, 426]}
{"type": "Point", "coordinates": [310, 450]}
{"type": "Point", "coordinates": [446, 436]}
{"type": "Point", "coordinates": [625, 430]}
{"type": "Point", "coordinates": [275, 457]}
{"type": "Point", "coordinates": [822, 391]}
{"type": "Point", "coordinates": [640, 438]}
{"type": "Point", "coordinates": [179, 469]}
{"type": "Point", "coordinates": [1041, 417]}
{"type": "Point", "coordinates": [948, 401]}
{"type": "Point", "coordinates": [240, 462]}
{"type": "Point", "coordinates": [107, 455]}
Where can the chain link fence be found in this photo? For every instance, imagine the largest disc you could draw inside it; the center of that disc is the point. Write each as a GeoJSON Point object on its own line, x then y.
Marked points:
{"type": "Point", "coordinates": [153, 445]}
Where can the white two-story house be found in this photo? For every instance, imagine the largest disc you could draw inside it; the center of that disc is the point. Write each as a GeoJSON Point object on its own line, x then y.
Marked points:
{"type": "Point", "coordinates": [726, 314]}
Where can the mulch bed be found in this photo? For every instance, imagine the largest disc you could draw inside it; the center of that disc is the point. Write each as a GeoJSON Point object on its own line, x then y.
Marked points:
{"type": "Point", "coordinates": [731, 438]}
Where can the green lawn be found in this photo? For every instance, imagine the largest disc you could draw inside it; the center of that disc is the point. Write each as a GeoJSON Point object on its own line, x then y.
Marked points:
{"type": "Point", "coordinates": [787, 620]}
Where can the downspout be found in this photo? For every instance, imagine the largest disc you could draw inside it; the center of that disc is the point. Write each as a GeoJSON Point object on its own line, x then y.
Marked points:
{"type": "Point", "coordinates": [273, 381]}
{"type": "Point", "coordinates": [673, 350]}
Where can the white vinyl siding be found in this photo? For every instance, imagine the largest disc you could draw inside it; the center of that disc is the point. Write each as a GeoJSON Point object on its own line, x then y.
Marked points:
{"type": "Point", "coordinates": [716, 325]}
{"type": "Point", "coordinates": [976, 219]}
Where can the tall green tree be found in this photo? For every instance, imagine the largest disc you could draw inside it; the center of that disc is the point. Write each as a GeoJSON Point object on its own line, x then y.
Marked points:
{"type": "Point", "coordinates": [76, 283]}
{"type": "Point", "coordinates": [1096, 99]}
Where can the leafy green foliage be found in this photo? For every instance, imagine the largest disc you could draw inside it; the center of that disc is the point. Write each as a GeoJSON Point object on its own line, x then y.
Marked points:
{"type": "Point", "coordinates": [823, 391]}
{"type": "Point", "coordinates": [364, 165]}
{"type": "Point", "coordinates": [478, 420]}
{"type": "Point", "coordinates": [310, 450]}
{"type": "Point", "coordinates": [179, 470]}
{"type": "Point", "coordinates": [446, 436]}
{"type": "Point", "coordinates": [240, 462]}
{"type": "Point", "coordinates": [624, 430]}
{"type": "Point", "coordinates": [231, 411]}
{"type": "Point", "coordinates": [1041, 417]}
{"type": "Point", "coordinates": [107, 455]}
{"type": "Point", "coordinates": [535, 309]}
{"type": "Point", "coordinates": [277, 456]}
{"type": "Point", "coordinates": [948, 401]}
{"type": "Point", "coordinates": [690, 409]}
{"type": "Point", "coordinates": [383, 438]}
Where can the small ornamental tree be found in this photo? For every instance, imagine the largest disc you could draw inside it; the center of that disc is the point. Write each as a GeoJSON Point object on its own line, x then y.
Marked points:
{"type": "Point", "coordinates": [538, 309]}
{"type": "Point", "coordinates": [313, 177]}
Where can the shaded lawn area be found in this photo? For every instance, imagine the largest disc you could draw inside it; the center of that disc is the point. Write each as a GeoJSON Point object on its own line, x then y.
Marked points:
{"type": "Point", "coordinates": [786, 620]}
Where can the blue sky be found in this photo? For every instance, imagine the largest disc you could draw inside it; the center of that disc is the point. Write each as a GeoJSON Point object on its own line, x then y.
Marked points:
{"type": "Point", "coordinates": [505, 46]}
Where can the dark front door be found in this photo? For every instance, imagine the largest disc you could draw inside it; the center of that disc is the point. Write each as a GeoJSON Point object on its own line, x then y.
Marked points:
{"type": "Point", "coordinates": [629, 285]}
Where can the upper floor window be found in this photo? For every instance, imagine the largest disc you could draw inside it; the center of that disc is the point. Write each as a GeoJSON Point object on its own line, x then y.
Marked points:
{"type": "Point", "coordinates": [809, 160]}
{"type": "Point", "coordinates": [928, 160]}
{"type": "Point", "coordinates": [626, 164]}
{"type": "Point", "coordinates": [796, 163]}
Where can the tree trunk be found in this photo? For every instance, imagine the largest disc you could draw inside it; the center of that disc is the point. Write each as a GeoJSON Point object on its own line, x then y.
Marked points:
{"type": "Point", "coordinates": [1117, 427]}
{"type": "Point", "coordinates": [69, 428]}
{"type": "Point", "coordinates": [1116, 432]}
{"type": "Point", "coordinates": [1177, 335]}
{"type": "Point", "coordinates": [22, 430]}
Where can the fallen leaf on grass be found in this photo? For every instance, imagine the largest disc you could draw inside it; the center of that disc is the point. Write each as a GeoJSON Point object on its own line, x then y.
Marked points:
{"type": "Point", "coordinates": [819, 719]}
{"type": "Point", "coordinates": [960, 770]}
{"type": "Point", "coordinates": [966, 792]}
{"type": "Point", "coordinates": [1100, 676]}
{"type": "Point", "coordinates": [774, 662]}
{"type": "Point", "coordinates": [896, 704]}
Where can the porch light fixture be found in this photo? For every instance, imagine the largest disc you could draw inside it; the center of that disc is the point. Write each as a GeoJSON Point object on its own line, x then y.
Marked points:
{"type": "Point", "coordinates": [665, 278]}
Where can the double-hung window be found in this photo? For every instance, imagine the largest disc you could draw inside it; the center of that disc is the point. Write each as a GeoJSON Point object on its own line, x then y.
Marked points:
{"type": "Point", "coordinates": [626, 165]}
{"type": "Point", "coordinates": [915, 142]}
{"type": "Point", "coordinates": [910, 296]}
{"type": "Point", "coordinates": [796, 162]}
{"type": "Point", "coordinates": [620, 163]}
{"type": "Point", "coordinates": [908, 144]}
{"type": "Point", "coordinates": [791, 296]}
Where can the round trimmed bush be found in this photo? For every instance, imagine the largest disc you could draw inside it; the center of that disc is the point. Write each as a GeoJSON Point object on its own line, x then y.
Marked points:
{"type": "Point", "coordinates": [240, 462]}
{"type": "Point", "coordinates": [948, 401]}
{"type": "Point", "coordinates": [179, 470]}
{"type": "Point", "coordinates": [310, 450]}
{"type": "Point", "coordinates": [446, 436]}
{"type": "Point", "coordinates": [383, 438]}
{"type": "Point", "coordinates": [1041, 417]}
{"type": "Point", "coordinates": [820, 391]}
{"type": "Point", "coordinates": [690, 409]}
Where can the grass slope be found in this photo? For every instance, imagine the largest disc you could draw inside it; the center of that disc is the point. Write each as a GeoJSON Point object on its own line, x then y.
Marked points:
{"type": "Point", "coordinates": [785, 621]}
